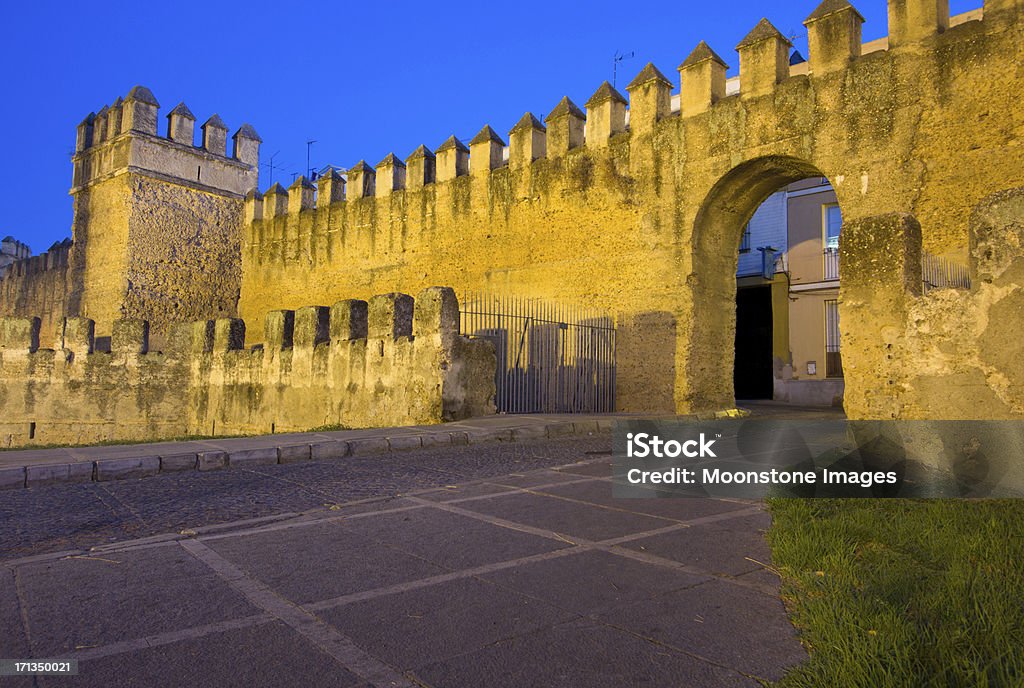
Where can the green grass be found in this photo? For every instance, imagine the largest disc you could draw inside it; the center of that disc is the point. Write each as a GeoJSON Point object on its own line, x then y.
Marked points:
{"type": "Point", "coordinates": [903, 592]}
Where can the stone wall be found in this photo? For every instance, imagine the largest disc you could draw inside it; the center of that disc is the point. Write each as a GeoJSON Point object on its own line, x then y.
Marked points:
{"type": "Point", "coordinates": [388, 361]}
{"type": "Point", "coordinates": [643, 217]}
{"type": "Point", "coordinates": [947, 354]}
{"type": "Point", "coordinates": [38, 285]}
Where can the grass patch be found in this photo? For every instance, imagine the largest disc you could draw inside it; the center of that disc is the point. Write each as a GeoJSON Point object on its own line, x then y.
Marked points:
{"type": "Point", "coordinates": [903, 592]}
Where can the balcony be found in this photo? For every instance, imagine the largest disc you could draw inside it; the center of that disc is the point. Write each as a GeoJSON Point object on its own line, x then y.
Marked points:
{"type": "Point", "coordinates": [831, 264]}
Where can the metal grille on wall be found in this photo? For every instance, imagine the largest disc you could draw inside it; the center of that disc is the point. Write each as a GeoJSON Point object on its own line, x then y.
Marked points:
{"type": "Point", "coordinates": [939, 273]}
{"type": "Point", "coordinates": [552, 358]}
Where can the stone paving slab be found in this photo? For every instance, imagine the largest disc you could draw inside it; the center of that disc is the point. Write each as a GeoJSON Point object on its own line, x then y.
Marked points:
{"type": "Point", "coordinates": [270, 650]}
{"type": "Point", "coordinates": [722, 623]}
{"type": "Point", "coordinates": [566, 518]}
{"type": "Point", "coordinates": [591, 581]}
{"type": "Point", "coordinates": [417, 627]}
{"type": "Point", "coordinates": [731, 547]}
{"type": "Point", "coordinates": [578, 653]}
{"type": "Point", "coordinates": [421, 568]}
{"type": "Point", "coordinates": [322, 561]}
{"type": "Point", "coordinates": [450, 540]}
{"type": "Point", "coordinates": [87, 601]}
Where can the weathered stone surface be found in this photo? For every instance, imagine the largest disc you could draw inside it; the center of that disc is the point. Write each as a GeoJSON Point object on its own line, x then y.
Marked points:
{"type": "Point", "coordinates": [559, 429]}
{"type": "Point", "coordinates": [39, 476]}
{"type": "Point", "coordinates": [179, 462]}
{"type": "Point", "coordinates": [640, 221]}
{"type": "Point", "coordinates": [294, 453]}
{"type": "Point", "coordinates": [252, 457]}
{"type": "Point", "coordinates": [404, 442]}
{"type": "Point", "coordinates": [124, 469]}
{"type": "Point", "coordinates": [208, 384]}
{"type": "Point", "coordinates": [369, 445]}
{"type": "Point", "coordinates": [588, 427]}
{"type": "Point", "coordinates": [320, 451]}
{"type": "Point", "coordinates": [531, 432]}
{"type": "Point", "coordinates": [11, 478]}
{"type": "Point", "coordinates": [436, 439]}
{"type": "Point", "coordinates": [212, 460]}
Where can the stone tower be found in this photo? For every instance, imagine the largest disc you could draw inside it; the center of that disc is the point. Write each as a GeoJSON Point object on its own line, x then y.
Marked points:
{"type": "Point", "coordinates": [157, 219]}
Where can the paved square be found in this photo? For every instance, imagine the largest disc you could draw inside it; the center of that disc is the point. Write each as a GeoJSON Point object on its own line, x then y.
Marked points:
{"type": "Point", "coordinates": [429, 568]}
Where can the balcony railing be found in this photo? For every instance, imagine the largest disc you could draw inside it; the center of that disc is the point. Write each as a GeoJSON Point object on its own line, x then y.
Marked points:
{"type": "Point", "coordinates": [831, 264]}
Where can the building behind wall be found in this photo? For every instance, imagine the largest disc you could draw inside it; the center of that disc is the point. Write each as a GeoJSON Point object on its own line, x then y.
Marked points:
{"type": "Point", "coordinates": [762, 342]}
{"type": "Point", "coordinates": [814, 374]}
{"type": "Point", "coordinates": [788, 280]}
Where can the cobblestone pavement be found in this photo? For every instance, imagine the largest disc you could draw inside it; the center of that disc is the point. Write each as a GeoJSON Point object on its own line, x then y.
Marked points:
{"type": "Point", "coordinates": [505, 564]}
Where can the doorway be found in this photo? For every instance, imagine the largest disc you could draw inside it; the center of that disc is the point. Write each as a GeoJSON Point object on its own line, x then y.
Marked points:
{"type": "Point", "coordinates": [752, 374]}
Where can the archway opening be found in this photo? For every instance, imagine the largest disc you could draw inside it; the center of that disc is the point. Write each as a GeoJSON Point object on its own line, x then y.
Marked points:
{"type": "Point", "coordinates": [766, 271]}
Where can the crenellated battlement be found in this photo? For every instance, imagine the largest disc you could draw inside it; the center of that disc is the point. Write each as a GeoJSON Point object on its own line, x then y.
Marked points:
{"type": "Point", "coordinates": [55, 257]}
{"type": "Point", "coordinates": [391, 359]}
{"type": "Point", "coordinates": [654, 102]}
{"type": "Point", "coordinates": [158, 215]}
{"type": "Point", "coordinates": [124, 137]}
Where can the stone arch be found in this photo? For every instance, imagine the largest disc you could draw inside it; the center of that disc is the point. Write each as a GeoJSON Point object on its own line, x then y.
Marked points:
{"type": "Point", "coordinates": [708, 346]}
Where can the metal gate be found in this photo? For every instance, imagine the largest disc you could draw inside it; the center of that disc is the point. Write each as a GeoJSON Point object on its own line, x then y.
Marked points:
{"type": "Point", "coordinates": [552, 358]}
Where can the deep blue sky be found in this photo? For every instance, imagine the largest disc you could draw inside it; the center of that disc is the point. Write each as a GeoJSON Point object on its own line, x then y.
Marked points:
{"type": "Point", "coordinates": [362, 78]}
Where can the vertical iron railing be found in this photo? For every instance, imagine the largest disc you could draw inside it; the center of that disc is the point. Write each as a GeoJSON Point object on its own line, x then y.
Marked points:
{"type": "Point", "coordinates": [552, 358]}
{"type": "Point", "coordinates": [833, 357]}
{"type": "Point", "coordinates": [940, 273]}
{"type": "Point", "coordinates": [831, 266]}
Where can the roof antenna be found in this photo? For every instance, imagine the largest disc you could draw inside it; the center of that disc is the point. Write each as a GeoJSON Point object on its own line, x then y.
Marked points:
{"type": "Point", "coordinates": [619, 57]}
{"type": "Point", "coordinates": [310, 174]}
{"type": "Point", "coordinates": [271, 167]}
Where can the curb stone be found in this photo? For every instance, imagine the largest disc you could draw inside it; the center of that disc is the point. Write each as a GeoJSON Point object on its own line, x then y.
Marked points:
{"type": "Point", "coordinates": [368, 445]}
{"type": "Point", "coordinates": [560, 429]}
{"type": "Point", "coordinates": [294, 453]}
{"type": "Point", "coordinates": [211, 460]}
{"type": "Point", "coordinates": [56, 473]}
{"type": "Point", "coordinates": [437, 439]}
{"type": "Point", "coordinates": [178, 462]}
{"type": "Point", "coordinates": [530, 432]}
{"type": "Point", "coordinates": [124, 469]}
{"type": "Point", "coordinates": [149, 465]}
{"type": "Point", "coordinates": [244, 458]}
{"type": "Point", "coordinates": [12, 478]}
{"type": "Point", "coordinates": [329, 450]}
{"type": "Point", "coordinates": [405, 442]}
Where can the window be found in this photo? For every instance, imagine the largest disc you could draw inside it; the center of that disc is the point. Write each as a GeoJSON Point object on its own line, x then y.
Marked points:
{"type": "Point", "coordinates": [833, 359]}
{"type": "Point", "coordinates": [833, 221]}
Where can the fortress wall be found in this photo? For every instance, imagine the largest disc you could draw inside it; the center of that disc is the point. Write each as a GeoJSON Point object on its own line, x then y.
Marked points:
{"type": "Point", "coordinates": [157, 218]}
{"type": "Point", "coordinates": [72, 395]}
{"type": "Point", "coordinates": [622, 220]}
{"type": "Point", "coordinates": [950, 353]}
{"type": "Point", "coordinates": [388, 361]}
{"type": "Point", "coordinates": [99, 258]}
{"type": "Point", "coordinates": [183, 255]}
{"type": "Point", "coordinates": [38, 285]}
